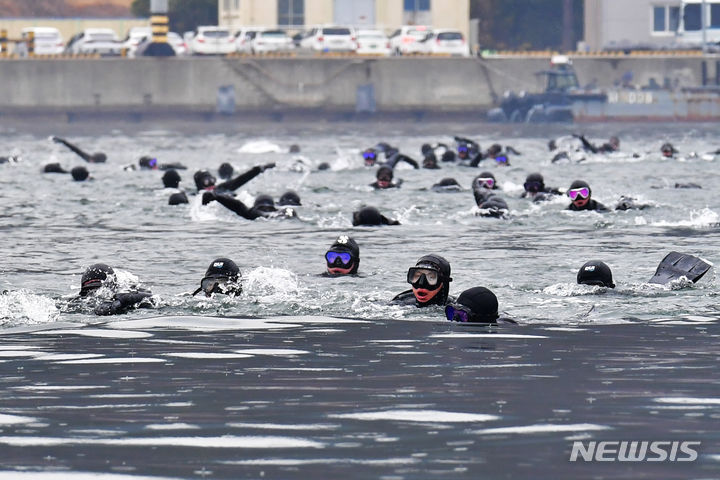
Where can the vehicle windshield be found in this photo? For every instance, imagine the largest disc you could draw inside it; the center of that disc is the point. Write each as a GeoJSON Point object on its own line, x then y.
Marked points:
{"type": "Point", "coordinates": [561, 81]}
{"type": "Point", "coordinates": [47, 36]}
{"type": "Point", "coordinates": [417, 33]}
{"type": "Point", "coordinates": [274, 34]}
{"type": "Point", "coordinates": [336, 31]}
{"type": "Point", "coordinates": [101, 37]}
{"type": "Point", "coordinates": [216, 33]}
{"type": "Point", "coordinates": [450, 36]}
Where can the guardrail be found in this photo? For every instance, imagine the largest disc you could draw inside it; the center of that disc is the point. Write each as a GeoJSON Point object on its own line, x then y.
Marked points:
{"type": "Point", "coordinates": [600, 54]}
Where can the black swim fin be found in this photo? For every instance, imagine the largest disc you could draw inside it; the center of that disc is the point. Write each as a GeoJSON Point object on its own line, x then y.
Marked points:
{"type": "Point", "coordinates": [676, 265]}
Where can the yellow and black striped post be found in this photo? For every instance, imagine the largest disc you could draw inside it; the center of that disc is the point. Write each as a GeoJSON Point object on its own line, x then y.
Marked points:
{"type": "Point", "coordinates": [159, 46]}
{"type": "Point", "coordinates": [159, 25]}
{"type": "Point", "coordinates": [159, 20]}
{"type": "Point", "coordinates": [30, 40]}
{"type": "Point", "coordinates": [3, 43]}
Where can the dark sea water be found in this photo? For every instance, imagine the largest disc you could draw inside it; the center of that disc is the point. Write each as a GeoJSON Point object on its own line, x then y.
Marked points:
{"type": "Point", "coordinates": [304, 376]}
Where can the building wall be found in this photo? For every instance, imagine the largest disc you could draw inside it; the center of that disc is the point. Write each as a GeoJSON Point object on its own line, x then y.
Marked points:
{"type": "Point", "coordinates": [388, 13]}
{"type": "Point", "coordinates": [616, 22]}
{"type": "Point", "coordinates": [70, 26]}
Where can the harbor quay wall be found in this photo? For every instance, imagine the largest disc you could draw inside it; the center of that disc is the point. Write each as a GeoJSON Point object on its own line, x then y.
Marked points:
{"type": "Point", "coordinates": [349, 84]}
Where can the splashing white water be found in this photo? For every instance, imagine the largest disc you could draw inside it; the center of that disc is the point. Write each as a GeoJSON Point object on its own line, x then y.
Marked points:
{"type": "Point", "coordinates": [260, 146]}
{"type": "Point", "coordinates": [26, 308]}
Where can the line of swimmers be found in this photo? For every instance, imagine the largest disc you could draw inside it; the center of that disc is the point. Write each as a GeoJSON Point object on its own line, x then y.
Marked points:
{"type": "Point", "coordinates": [429, 279]}
{"type": "Point", "coordinates": [484, 186]}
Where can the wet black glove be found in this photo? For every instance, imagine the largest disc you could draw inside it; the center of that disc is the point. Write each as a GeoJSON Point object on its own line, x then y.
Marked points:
{"type": "Point", "coordinates": [208, 197]}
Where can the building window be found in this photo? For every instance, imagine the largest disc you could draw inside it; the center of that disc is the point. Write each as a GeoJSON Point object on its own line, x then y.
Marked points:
{"type": "Point", "coordinates": [673, 18]}
{"type": "Point", "coordinates": [237, 4]}
{"type": "Point", "coordinates": [417, 5]}
{"type": "Point", "coordinates": [692, 17]}
{"type": "Point", "coordinates": [291, 12]}
{"type": "Point", "coordinates": [658, 19]}
{"type": "Point", "coordinates": [665, 19]}
{"type": "Point", "coordinates": [714, 15]}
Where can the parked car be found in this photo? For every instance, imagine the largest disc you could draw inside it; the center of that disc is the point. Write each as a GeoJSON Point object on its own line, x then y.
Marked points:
{"type": "Point", "coordinates": [212, 41]}
{"type": "Point", "coordinates": [403, 40]}
{"type": "Point", "coordinates": [48, 41]}
{"type": "Point", "coordinates": [372, 42]}
{"type": "Point", "coordinates": [178, 44]}
{"type": "Point", "coordinates": [331, 38]}
{"type": "Point", "coordinates": [244, 38]}
{"type": "Point", "coordinates": [446, 42]}
{"type": "Point", "coordinates": [134, 37]}
{"type": "Point", "coordinates": [271, 41]}
{"type": "Point", "coordinates": [95, 40]}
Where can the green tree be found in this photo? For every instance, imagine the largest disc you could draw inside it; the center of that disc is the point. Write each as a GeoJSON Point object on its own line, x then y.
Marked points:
{"type": "Point", "coordinates": [184, 14]}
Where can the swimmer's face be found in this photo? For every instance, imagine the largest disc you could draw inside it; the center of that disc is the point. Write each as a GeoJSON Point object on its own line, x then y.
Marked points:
{"type": "Point", "coordinates": [424, 295]}
{"type": "Point", "coordinates": [580, 202]}
{"type": "Point", "coordinates": [340, 270]}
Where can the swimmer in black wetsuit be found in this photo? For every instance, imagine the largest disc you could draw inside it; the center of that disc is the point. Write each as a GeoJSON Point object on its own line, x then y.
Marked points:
{"type": "Point", "coordinates": [171, 179]}
{"type": "Point", "coordinates": [447, 185]}
{"type": "Point", "coordinates": [468, 152]}
{"type": "Point", "coordinates": [98, 289]}
{"type": "Point", "coordinates": [205, 181]}
{"type": "Point", "coordinates": [151, 163]}
{"type": "Point", "coordinates": [483, 186]}
{"type": "Point", "coordinates": [580, 193]}
{"type": "Point", "coordinates": [448, 156]}
{"type": "Point", "coordinates": [384, 177]}
{"type": "Point", "coordinates": [613, 145]}
{"type": "Point", "coordinates": [489, 203]}
{"type": "Point", "coordinates": [430, 280]}
{"type": "Point", "coordinates": [668, 150]}
{"type": "Point", "coordinates": [595, 273]}
{"type": "Point", "coordinates": [221, 277]}
{"type": "Point", "coordinates": [98, 157]}
{"type": "Point", "coordinates": [496, 153]}
{"type": "Point", "coordinates": [430, 160]}
{"type": "Point", "coordinates": [392, 156]}
{"type": "Point", "coordinates": [343, 257]}
{"type": "Point", "coordinates": [264, 206]}
{"type": "Point", "coordinates": [78, 174]}
{"type": "Point", "coordinates": [371, 216]}
{"type": "Point", "coordinates": [10, 159]}
{"type": "Point", "coordinates": [476, 305]}
{"type": "Point", "coordinates": [536, 190]}
{"type": "Point", "coordinates": [226, 171]}
{"type": "Point", "coordinates": [289, 199]}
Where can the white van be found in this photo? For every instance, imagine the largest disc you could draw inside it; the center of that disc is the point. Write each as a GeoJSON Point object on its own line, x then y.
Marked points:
{"type": "Point", "coordinates": [48, 40]}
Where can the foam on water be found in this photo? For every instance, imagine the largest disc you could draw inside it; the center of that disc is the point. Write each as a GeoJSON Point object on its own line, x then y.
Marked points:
{"type": "Point", "coordinates": [226, 441]}
{"type": "Point", "coordinates": [260, 146]}
{"type": "Point", "coordinates": [97, 332]}
{"type": "Point", "coordinates": [541, 428]}
{"type": "Point", "coordinates": [24, 308]}
{"type": "Point", "coordinates": [424, 416]}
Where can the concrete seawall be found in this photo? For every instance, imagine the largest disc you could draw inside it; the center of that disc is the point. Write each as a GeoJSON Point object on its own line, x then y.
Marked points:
{"type": "Point", "coordinates": [343, 84]}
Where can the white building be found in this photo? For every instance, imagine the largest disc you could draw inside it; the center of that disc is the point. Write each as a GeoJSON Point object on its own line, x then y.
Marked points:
{"type": "Point", "coordinates": [649, 23]}
{"type": "Point", "coordinates": [618, 23]}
